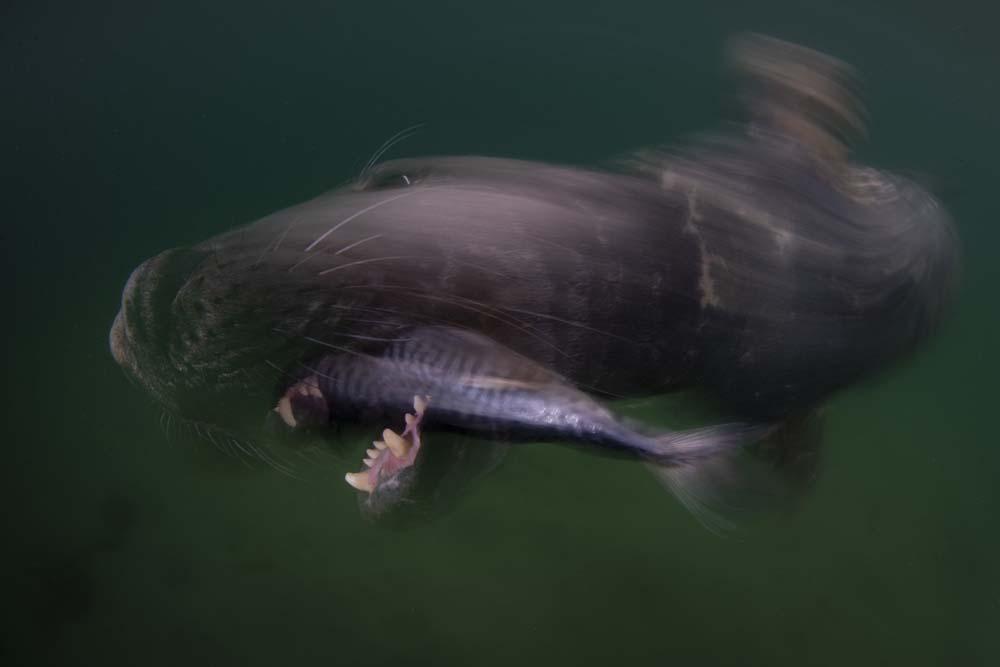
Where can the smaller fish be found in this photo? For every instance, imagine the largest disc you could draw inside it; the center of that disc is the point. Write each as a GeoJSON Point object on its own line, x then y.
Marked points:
{"type": "Point", "coordinates": [459, 380]}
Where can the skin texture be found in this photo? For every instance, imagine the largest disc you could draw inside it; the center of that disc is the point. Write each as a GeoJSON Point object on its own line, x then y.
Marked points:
{"type": "Point", "coordinates": [761, 266]}
{"type": "Point", "coordinates": [545, 260]}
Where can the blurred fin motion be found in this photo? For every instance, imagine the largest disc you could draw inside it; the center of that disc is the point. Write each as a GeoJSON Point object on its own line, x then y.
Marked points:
{"type": "Point", "coordinates": [800, 94]}
{"type": "Point", "coordinates": [773, 473]}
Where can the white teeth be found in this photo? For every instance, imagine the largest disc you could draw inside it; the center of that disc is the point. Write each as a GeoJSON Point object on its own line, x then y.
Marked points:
{"type": "Point", "coordinates": [379, 444]}
{"type": "Point", "coordinates": [369, 462]}
{"type": "Point", "coordinates": [397, 445]}
{"type": "Point", "coordinates": [420, 404]}
{"type": "Point", "coordinates": [359, 480]}
{"type": "Point", "coordinates": [308, 387]}
{"type": "Point", "coordinates": [372, 453]}
{"type": "Point", "coordinates": [284, 409]}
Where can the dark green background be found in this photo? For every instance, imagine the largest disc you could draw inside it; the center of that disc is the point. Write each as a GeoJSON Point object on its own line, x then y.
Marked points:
{"type": "Point", "coordinates": [128, 128]}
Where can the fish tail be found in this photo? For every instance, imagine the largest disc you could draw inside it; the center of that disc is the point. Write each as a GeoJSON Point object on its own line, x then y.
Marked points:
{"type": "Point", "coordinates": [695, 464]}
{"type": "Point", "coordinates": [725, 473]}
{"type": "Point", "coordinates": [695, 445]}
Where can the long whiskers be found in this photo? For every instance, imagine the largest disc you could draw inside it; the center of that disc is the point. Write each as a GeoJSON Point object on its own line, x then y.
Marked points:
{"type": "Point", "coordinates": [357, 243]}
{"type": "Point", "coordinates": [272, 248]}
{"type": "Point", "coordinates": [402, 135]}
{"type": "Point", "coordinates": [414, 316]}
{"type": "Point", "coordinates": [449, 260]}
{"type": "Point", "coordinates": [283, 466]}
{"type": "Point", "coordinates": [333, 347]}
{"type": "Point", "coordinates": [474, 306]}
{"type": "Point", "coordinates": [363, 320]}
{"type": "Point", "coordinates": [354, 216]}
{"type": "Point", "coordinates": [245, 451]}
{"type": "Point", "coordinates": [572, 323]}
{"type": "Point", "coordinates": [365, 261]}
{"type": "Point", "coordinates": [378, 339]}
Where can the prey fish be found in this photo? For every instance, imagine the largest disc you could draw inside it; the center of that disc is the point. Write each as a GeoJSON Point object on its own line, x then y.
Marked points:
{"type": "Point", "coordinates": [454, 379]}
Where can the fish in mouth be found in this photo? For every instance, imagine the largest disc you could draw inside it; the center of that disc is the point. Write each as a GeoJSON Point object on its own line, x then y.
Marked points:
{"type": "Point", "coordinates": [387, 457]}
{"type": "Point", "coordinates": [456, 379]}
{"type": "Point", "coordinates": [494, 300]}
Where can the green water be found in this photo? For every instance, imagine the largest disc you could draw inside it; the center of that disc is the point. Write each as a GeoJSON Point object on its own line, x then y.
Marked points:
{"type": "Point", "coordinates": [129, 128]}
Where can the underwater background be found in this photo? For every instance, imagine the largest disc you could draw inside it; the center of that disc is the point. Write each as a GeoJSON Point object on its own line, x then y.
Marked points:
{"type": "Point", "coordinates": [130, 127]}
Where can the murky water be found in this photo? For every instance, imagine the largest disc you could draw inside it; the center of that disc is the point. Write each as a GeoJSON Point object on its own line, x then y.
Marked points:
{"type": "Point", "coordinates": [129, 129]}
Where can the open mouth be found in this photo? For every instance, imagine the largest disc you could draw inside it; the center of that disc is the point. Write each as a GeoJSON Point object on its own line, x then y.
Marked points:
{"type": "Point", "coordinates": [391, 455]}
{"type": "Point", "coordinates": [304, 404]}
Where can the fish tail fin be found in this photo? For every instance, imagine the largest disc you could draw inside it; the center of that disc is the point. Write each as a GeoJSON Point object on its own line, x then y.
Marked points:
{"type": "Point", "coordinates": [700, 444]}
{"type": "Point", "coordinates": [737, 470]}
